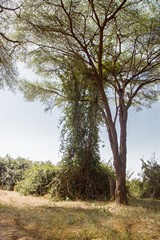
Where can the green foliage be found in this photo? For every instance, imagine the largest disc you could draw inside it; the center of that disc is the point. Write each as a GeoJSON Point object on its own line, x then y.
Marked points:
{"type": "Point", "coordinates": [37, 179]}
{"type": "Point", "coordinates": [151, 178]}
{"type": "Point", "coordinates": [135, 187]}
{"type": "Point", "coordinates": [118, 43]}
{"type": "Point", "coordinates": [8, 44]}
{"type": "Point", "coordinates": [76, 182]}
{"type": "Point", "coordinates": [12, 170]}
{"type": "Point", "coordinates": [81, 173]}
{"type": "Point", "coordinates": [46, 92]}
{"type": "Point", "coordinates": [71, 30]}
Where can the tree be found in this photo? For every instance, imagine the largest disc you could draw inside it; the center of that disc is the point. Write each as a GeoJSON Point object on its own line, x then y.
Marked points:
{"type": "Point", "coordinates": [118, 43]}
{"type": "Point", "coordinates": [8, 12]}
{"type": "Point", "coordinates": [84, 177]}
{"type": "Point", "coordinates": [12, 171]}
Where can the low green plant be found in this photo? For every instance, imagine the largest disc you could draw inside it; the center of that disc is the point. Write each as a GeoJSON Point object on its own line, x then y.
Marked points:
{"type": "Point", "coordinates": [37, 179]}
{"type": "Point", "coordinates": [135, 188]}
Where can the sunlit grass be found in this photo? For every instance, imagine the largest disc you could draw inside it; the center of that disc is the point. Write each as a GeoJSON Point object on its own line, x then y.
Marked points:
{"type": "Point", "coordinates": [87, 220]}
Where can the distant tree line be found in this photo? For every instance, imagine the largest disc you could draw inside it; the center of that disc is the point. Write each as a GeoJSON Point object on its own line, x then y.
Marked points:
{"type": "Point", "coordinates": [41, 178]}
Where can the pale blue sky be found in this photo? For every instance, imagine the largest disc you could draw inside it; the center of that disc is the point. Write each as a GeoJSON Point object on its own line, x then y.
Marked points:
{"type": "Point", "coordinates": [27, 131]}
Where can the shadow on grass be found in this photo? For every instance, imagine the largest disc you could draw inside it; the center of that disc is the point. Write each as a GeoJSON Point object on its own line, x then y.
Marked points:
{"type": "Point", "coordinates": [58, 223]}
{"type": "Point", "coordinates": [81, 223]}
{"type": "Point", "coordinates": [9, 229]}
{"type": "Point", "coordinates": [151, 204]}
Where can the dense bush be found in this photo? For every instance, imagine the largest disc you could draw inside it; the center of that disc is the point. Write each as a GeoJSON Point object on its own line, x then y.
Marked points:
{"type": "Point", "coordinates": [12, 171]}
{"type": "Point", "coordinates": [151, 178]}
{"type": "Point", "coordinates": [74, 183]}
{"type": "Point", "coordinates": [37, 179]}
{"type": "Point", "coordinates": [64, 181]}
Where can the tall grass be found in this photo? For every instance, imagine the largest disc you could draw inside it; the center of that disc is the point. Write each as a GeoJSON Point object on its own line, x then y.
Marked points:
{"type": "Point", "coordinates": [87, 220]}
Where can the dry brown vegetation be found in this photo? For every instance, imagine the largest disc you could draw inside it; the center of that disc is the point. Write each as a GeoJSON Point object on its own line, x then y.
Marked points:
{"type": "Point", "coordinates": [37, 218]}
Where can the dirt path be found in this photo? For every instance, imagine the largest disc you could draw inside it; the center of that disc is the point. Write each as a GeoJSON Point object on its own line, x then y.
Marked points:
{"type": "Point", "coordinates": [13, 202]}
{"type": "Point", "coordinates": [14, 208]}
{"type": "Point", "coordinates": [38, 218]}
{"type": "Point", "coordinates": [9, 229]}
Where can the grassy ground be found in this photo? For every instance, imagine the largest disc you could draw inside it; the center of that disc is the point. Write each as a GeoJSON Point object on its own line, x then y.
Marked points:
{"type": "Point", "coordinates": [41, 219]}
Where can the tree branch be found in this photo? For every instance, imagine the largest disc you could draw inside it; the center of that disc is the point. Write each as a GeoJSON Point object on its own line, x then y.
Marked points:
{"type": "Point", "coordinates": [8, 39]}
{"type": "Point", "coordinates": [139, 88]}
{"type": "Point", "coordinates": [8, 9]}
{"type": "Point", "coordinates": [114, 13]}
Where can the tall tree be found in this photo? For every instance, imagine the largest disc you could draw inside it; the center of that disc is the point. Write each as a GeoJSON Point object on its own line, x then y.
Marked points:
{"type": "Point", "coordinates": [82, 176]}
{"type": "Point", "coordinates": [80, 135]}
{"type": "Point", "coordinates": [116, 40]}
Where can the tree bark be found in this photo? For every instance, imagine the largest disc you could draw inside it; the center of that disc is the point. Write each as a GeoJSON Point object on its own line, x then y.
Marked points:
{"type": "Point", "coordinates": [119, 151]}
{"type": "Point", "coordinates": [120, 191]}
{"type": "Point", "coordinates": [112, 187]}
{"type": "Point", "coordinates": [120, 163]}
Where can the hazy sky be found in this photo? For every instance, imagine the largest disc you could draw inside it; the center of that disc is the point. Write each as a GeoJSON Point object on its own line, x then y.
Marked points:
{"type": "Point", "coordinates": [27, 131]}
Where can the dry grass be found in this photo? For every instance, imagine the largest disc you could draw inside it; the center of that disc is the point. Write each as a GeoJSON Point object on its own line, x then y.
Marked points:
{"type": "Point", "coordinates": [42, 219]}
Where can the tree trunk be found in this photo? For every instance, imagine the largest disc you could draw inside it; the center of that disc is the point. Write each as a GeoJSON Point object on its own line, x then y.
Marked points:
{"type": "Point", "coordinates": [119, 150]}
{"type": "Point", "coordinates": [120, 162]}
{"type": "Point", "coordinates": [120, 191]}
{"type": "Point", "coordinates": [112, 187]}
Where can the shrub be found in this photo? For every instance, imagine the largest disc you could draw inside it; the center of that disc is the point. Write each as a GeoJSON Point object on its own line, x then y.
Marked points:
{"type": "Point", "coordinates": [151, 178]}
{"type": "Point", "coordinates": [72, 182]}
{"type": "Point", "coordinates": [135, 188]}
{"type": "Point", "coordinates": [37, 179]}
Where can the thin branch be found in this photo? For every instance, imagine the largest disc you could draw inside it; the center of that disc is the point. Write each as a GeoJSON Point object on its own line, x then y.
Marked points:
{"type": "Point", "coordinates": [109, 5]}
{"type": "Point", "coordinates": [95, 13]}
{"type": "Point", "coordinates": [114, 13]}
{"type": "Point", "coordinates": [55, 92]}
{"type": "Point", "coordinates": [8, 39]}
{"type": "Point", "coordinates": [8, 9]}
{"type": "Point", "coordinates": [84, 47]}
{"type": "Point", "coordinates": [117, 107]}
{"type": "Point", "coordinates": [139, 88]}
{"type": "Point", "coordinates": [146, 68]}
